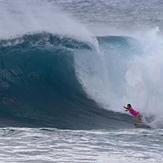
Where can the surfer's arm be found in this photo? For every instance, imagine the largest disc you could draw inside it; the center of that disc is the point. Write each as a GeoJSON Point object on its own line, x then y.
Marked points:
{"type": "Point", "coordinates": [126, 109]}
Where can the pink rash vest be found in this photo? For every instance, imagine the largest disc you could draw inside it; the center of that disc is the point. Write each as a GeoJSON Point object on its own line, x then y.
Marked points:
{"type": "Point", "coordinates": [133, 112]}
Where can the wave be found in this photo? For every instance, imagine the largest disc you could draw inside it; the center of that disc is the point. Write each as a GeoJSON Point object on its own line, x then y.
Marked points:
{"type": "Point", "coordinates": [39, 85]}
{"type": "Point", "coordinates": [64, 77]}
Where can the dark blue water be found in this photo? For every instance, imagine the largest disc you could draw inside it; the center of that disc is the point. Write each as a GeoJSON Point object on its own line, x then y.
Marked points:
{"type": "Point", "coordinates": [39, 86]}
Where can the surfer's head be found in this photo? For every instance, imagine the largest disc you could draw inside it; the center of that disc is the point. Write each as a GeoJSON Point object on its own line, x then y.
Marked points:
{"type": "Point", "coordinates": [128, 105]}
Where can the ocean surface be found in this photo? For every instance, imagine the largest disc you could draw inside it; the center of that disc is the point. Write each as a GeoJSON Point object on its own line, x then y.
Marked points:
{"type": "Point", "coordinates": [67, 68]}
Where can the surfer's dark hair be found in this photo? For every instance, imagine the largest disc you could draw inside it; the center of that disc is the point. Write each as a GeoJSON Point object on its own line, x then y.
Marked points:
{"type": "Point", "coordinates": [128, 105]}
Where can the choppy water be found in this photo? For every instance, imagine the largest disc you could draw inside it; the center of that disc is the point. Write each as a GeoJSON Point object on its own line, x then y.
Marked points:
{"type": "Point", "coordinates": [53, 145]}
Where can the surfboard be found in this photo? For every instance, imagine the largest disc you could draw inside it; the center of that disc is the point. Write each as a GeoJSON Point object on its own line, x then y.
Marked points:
{"type": "Point", "coordinates": [142, 125]}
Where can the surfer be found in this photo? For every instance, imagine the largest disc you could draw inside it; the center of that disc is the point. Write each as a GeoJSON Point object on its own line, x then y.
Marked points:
{"type": "Point", "coordinates": [134, 113]}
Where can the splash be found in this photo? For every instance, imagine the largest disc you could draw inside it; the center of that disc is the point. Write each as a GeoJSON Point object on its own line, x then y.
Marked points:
{"type": "Point", "coordinates": [20, 17]}
{"type": "Point", "coordinates": [144, 77]}
{"type": "Point", "coordinates": [134, 69]}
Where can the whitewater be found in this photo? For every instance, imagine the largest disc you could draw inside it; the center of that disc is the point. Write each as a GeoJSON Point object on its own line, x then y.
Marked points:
{"type": "Point", "coordinates": [67, 68]}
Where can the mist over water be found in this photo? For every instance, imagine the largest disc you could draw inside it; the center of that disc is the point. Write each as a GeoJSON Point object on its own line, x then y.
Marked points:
{"type": "Point", "coordinates": [23, 17]}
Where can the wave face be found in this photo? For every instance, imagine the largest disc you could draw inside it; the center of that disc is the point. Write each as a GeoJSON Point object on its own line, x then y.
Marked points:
{"type": "Point", "coordinates": [39, 85]}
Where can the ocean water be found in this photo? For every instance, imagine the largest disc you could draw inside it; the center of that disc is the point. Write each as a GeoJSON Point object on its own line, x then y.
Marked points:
{"type": "Point", "coordinates": [54, 145]}
{"type": "Point", "coordinates": [67, 68]}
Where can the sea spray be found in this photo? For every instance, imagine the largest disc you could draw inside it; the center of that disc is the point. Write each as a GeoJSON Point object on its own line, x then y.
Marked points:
{"type": "Point", "coordinates": [128, 71]}
{"type": "Point", "coordinates": [144, 77]}
{"type": "Point", "coordinates": [21, 17]}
